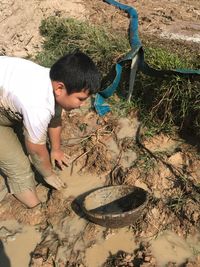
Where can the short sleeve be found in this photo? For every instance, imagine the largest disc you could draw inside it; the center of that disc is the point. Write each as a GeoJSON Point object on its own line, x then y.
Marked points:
{"type": "Point", "coordinates": [36, 123]}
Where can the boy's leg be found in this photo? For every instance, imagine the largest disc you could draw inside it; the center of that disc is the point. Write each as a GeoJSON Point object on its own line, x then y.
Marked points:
{"type": "Point", "coordinates": [16, 166]}
{"type": "Point", "coordinates": [28, 197]}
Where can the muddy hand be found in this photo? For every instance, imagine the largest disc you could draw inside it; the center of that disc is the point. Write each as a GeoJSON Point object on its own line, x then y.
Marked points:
{"type": "Point", "coordinates": [60, 158]}
{"type": "Point", "coordinates": [55, 181]}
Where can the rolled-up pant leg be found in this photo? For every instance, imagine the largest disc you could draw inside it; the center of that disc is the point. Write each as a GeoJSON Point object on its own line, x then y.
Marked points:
{"type": "Point", "coordinates": [14, 163]}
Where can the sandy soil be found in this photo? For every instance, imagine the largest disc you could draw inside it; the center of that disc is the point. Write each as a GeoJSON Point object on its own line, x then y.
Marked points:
{"type": "Point", "coordinates": [19, 23]}
{"type": "Point", "coordinates": [107, 153]}
{"type": "Point", "coordinates": [171, 19]}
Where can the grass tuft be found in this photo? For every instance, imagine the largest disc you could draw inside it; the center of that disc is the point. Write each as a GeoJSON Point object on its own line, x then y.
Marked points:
{"type": "Point", "coordinates": [63, 36]}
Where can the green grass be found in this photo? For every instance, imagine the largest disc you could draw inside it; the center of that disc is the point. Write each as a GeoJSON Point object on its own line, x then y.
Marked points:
{"type": "Point", "coordinates": [176, 203]}
{"type": "Point", "coordinates": [164, 59]}
{"type": "Point", "coordinates": [66, 35]}
{"type": "Point", "coordinates": [121, 107]}
{"type": "Point", "coordinates": [162, 103]}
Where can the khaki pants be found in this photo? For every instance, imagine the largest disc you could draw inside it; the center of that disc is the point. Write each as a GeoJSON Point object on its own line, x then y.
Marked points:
{"type": "Point", "coordinates": [13, 161]}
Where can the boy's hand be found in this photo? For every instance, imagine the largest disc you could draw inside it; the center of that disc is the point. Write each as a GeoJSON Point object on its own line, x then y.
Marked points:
{"type": "Point", "coordinates": [60, 158]}
{"type": "Point", "coordinates": [55, 181]}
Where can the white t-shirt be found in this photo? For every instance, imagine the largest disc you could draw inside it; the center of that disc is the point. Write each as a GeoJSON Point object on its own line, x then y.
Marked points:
{"type": "Point", "coordinates": [26, 94]}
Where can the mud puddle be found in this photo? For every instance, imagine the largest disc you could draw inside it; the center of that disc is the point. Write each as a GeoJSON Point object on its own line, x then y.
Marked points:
{"type": "Point", "coordinates": [169, 247]}
{"type": "Point", "coordinates": [17, 242]}
{"type": "Point", "coordinates": [79, 183]}
{"type": "Point", "coordinates": [89, 243]}
{"type": "Point", "coordinates": [121, 239]}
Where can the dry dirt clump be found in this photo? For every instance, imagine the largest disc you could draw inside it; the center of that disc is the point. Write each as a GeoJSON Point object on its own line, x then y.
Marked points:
{"type": "Point", "coordinates": [170, 178]}
{"type": "Point", "coordinates": [142, 257]}
{"type": "Point", "coordinates": [20, 23]}
{"type": "Point", "coordinates": [84, 136]}
{"type": "Point", "coordinates": [194, 262]}
{"type": "Point", "coordinates": [98, 143]}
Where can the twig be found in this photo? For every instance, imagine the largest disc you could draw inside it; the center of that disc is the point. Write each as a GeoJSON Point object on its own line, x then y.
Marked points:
{"type": "Point", "coordinates": [80, 156]}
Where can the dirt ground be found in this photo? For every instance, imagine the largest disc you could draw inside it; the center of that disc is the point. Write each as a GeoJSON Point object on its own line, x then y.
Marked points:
{"type": "Point", "coordinates": [167, 19]}
{"type": "Point", "coordinates": [106, 151]}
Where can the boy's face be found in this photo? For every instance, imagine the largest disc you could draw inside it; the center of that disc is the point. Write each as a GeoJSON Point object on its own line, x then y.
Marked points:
{"type": "Point", "coordinates": [74, 100]}
{"type": "Point", "coordinates": [70, 101]}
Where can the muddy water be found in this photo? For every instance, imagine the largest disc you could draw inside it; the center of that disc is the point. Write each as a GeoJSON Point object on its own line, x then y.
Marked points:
{"type": "Point", "coordinates": [166, 247]}
{"type": "Point", "coordinates": [170, 247]}
{"type": "Point", "coordinates": [77, 183]}
{"type": "Point", "coordinates": [16, 247]}
{"type": "Point", "coordinates": [15, 252]}
{"type": "Point", "coordinates": [122, 239]}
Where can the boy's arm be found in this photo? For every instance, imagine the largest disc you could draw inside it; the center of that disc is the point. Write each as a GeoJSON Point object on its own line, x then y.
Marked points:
{"type": "Point", "coordinates": [56, 153]}
{"type": "Point", "coordinates": [41, 160]}
{"type": "Point", "coordinates": [54, 132]}
{"type": "Point", "coordinates": [55, 137]}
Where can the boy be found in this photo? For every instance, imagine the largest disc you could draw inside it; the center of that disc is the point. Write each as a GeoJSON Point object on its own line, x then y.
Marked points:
{"type": "Point", "coordinates": [34, 96]}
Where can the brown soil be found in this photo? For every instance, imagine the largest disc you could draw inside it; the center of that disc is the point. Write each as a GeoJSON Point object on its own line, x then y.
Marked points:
{"type": "Point", "coordinates": [177, 20]}
{"type": "Point", "coordinates": [166, 167]}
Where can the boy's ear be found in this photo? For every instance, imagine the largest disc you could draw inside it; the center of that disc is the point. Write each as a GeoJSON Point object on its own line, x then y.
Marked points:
{"type": "Point", "coordinates": [58, 88]}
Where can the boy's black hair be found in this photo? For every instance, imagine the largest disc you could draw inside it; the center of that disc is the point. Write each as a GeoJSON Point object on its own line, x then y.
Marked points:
{"type": "Point", "coordinates": [77, 71]}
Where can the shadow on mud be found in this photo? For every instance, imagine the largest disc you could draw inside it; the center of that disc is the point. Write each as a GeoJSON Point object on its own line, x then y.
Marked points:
{"type": "Point", "coordinates": [4, 260]}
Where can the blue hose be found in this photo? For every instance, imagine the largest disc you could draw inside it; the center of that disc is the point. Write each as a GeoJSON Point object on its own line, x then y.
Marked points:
{"type": "Point", "coordinates": [136, 49]}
